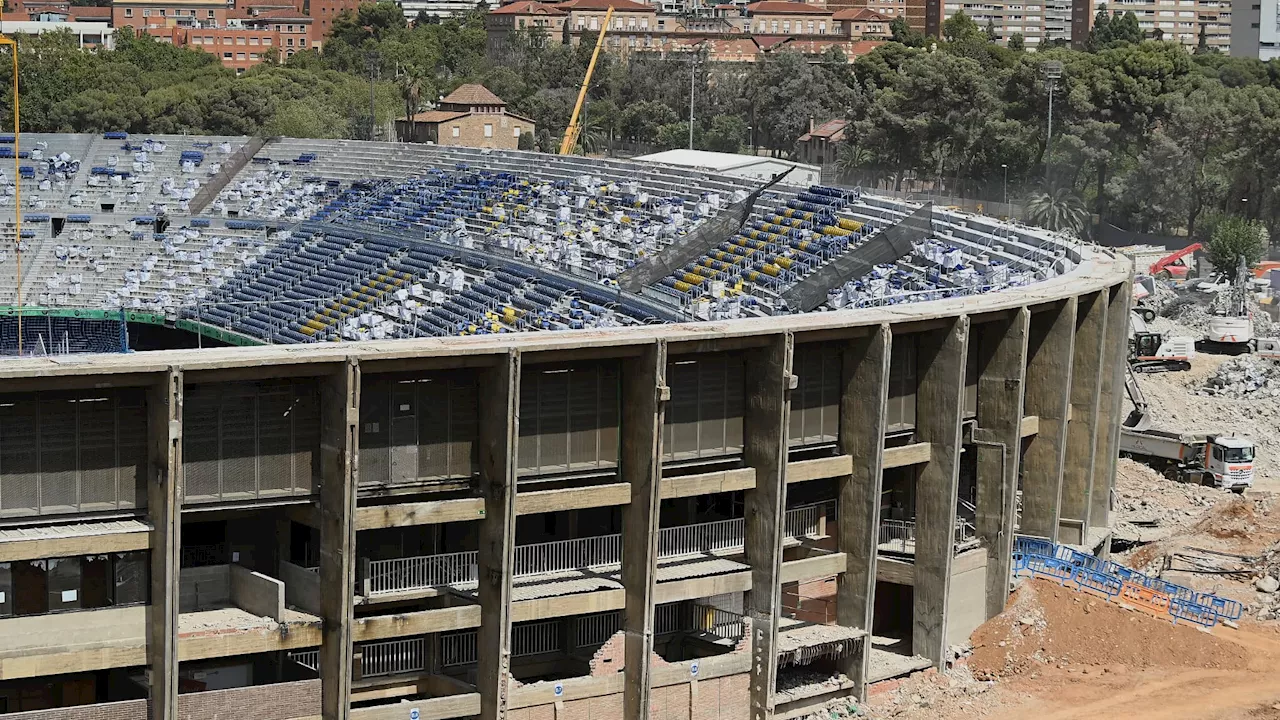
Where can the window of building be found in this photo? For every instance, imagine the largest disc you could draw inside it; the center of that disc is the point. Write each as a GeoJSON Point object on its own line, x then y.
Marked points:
{"type": "Point", "coordinates": [36, 587]}
{"type": "Point", "coordinates": [208, 39]}
{"type": "Point", "coordinates": [644, 23]}
{"type": "Point", "coordinates": [786, 26]}
{"type": "Point", "coordinates": [128, 12]}
{"type": "Point", "coordinates": [302, 42]}
{"type": "Point", "coordinates": [289, 42]}
{"type": "Point", "coordinates": [239, 56]}
{"type": "Point", "coordinates": [226, 56]}
{"type": "Point", "coordinates": [253, 56]}
{"type": "Point", "coordinates": [266, 41]}
{"type": "Point", "coordinates": [822, 28]}
{"type": "Point", "coordinates": [457, 131]}
{"type": "Point", "coordinates": [146, 12]}
{"type": "Point", "coordinates": [241, 40]}
{"type": "Point", "coordinates": [161, 12]}
{"type": "Point", "coordinates": [488, 130]}
{"type": "Point", "coordinates": [515, 133]}
{"type": "Point", "coordinates": [253, 41]}
{"type": "Point", "coordinates": [210, 15]}
{"type": "Point", "coordinates": [196, 40]}
{"type": "Point", "coordinates": [595, 23]}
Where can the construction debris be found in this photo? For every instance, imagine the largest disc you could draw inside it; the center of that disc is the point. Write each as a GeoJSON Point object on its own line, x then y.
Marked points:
{"type": "Point", "coordinates": [1150, 506]}
{"type": "Point", "coordinates": [1244, 376]}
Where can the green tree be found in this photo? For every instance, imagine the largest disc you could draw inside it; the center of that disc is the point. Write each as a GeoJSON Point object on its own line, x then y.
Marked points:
{"type": "Point", "coordinates": [1016, 42]}
{"type": "Point", "coordinates": [728, 133]}
{"type": "Point", "coordinates": [1202, 40]}
{"type": "Point", "coordinates": [1235, 237]}
{"type": "Point", "coordinates": [902, 32]}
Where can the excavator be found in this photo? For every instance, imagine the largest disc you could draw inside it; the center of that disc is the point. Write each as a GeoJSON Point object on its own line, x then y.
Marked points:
{"type": "Point", "coordinates": [1152, 352]}
{"type": "Point", "coordinates": [574, 129]}
{"type": "Point", "coordinates": [1172, 265]}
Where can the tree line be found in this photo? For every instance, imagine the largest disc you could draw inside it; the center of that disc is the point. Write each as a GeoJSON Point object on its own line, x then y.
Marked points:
{"type": "Point", "coordinates": [1146, 135]}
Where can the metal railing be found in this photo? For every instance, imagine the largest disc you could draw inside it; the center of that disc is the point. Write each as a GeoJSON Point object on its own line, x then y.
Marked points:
{"type": "Point", "coordinates": [723, 624]}
{"type": "Point", "coordinates": [422, 571]}
{"type": "Point", "coordinates": [600, 551]}
{"type": "Point", "coordinates": [392, 657]}
{"type": "Point", "coordinates": [596, 629]}
{"type": "Point", "coordinates": [669, 617]}
{"type": "Point", "coordinates": [309, 659]}
{"type": "Point", "coordinates": [900, 535]}
{"type": "Point", "coordinates": [458, 648]}
{"type": "Point", "coordinates": [535, 638]}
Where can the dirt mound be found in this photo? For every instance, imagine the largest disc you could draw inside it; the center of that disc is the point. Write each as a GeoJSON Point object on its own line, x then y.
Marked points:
{"type": "Point", "coordinates": [1234, 519]}
{"type": "Point", "coordinates": [1046, 624]}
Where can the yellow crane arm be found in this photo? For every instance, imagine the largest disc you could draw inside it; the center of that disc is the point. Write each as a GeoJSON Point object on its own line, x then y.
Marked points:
{"type": "Point", "coordinates": [575, 126]}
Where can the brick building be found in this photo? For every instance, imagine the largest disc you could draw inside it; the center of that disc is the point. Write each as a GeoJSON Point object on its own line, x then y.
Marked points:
{"type": "Point", "coordinates": [470, 116]}
{"type": "Point", "coordinates": [821, 145]}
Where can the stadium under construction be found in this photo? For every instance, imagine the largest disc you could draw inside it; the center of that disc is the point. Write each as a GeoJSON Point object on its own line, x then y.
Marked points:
{"type": "Point", "coordinates": [426, 432]}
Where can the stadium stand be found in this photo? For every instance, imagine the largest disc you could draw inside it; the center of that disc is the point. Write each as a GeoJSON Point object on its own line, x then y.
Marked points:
{"type": "Point", "coordinates": [320, 240]}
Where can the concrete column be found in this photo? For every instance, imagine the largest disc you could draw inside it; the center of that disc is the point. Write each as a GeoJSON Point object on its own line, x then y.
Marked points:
{"type": "Point", "coordinates": [644, 396]}
{"type": "Point", "coordinates": [864, 406]}
{"type": "Point", "coordinates": [339, 435]}
{"type": "Point", "coordinates": [164, 506]}
{"type": "Point", "coordinates": [1002, 364]}
{"type": "Point", "coordinates": [1086, 389]}
{"type": "Point", "coordinates": [768, 408]}
{"type": "Point", "coordinates": [1049, 359]}
{"type": "Point", "coordinates": [498, 434]}
{"type": "Point", "coordinates": [1115, 357]}
{"type": "Point", "coordinates": [940, 394]}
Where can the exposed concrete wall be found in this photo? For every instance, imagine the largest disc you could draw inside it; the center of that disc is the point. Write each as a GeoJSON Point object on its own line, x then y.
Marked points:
{"type": "Point", "coordinates": [203, 588]}
{"type": "Point", "coordinates": [164, 506]}
{"type": "Point", "coordinates": [339, 460]}
{"type": "Point", "coordinates": [966, 603]}
{"type": "Point", "coordinates": [768, 386]}
{"type": "Point", "coordinates": [1002, 363]}
{"type": "Point", "coordinates": [1110, 402]}
{"type": "Point", "coordinates": [943, 356]}
{"type": "Point", "coordinates": [644, 397]}
{"type": "Point", "coordinates": [1049, 359]}
{"type": "Point", "coordinates": [499, 429]}
{"type": "Point", "coordinates": [1086, 389]}
{"type": "Point", "coordinates": [257, 593]}
{"type": "Point", "coordinates": [864, 403]}
{"type": "Point", "coordinates": [301, 587]}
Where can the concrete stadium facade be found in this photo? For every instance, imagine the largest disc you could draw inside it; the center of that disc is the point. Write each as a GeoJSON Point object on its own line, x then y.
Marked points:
{"type": "Point", "coordinates": [416, 472]}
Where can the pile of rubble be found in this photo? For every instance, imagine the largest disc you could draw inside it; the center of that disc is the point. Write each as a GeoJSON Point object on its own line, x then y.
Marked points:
{"type": "Point", "coordinates": [1150, 507]}
{"type": "Point", "coordinates": [1186, 310]}
{"type": "Point", "coordinates": [1245, 376]}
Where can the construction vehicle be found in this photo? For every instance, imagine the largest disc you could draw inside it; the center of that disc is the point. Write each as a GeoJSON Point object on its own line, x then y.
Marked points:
{"type": "Point", "coordinates": [1224, 461]}
{"type": "Point", "coordinates": [1152, 352]}
{"type": "Point", "coordinates": [574, 129]}
{"type": "Point", "coordinates": [1231, 326]}
{"type": "Point", "coordinates": [1174, 265]}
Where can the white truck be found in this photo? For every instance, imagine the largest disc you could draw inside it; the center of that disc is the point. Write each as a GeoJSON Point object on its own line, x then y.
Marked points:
{"type": "Point", "coordinates": [1225, 461]}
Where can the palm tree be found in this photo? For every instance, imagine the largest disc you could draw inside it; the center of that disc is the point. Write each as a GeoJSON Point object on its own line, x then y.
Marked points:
{"type": "Point", "coordinates": [410, 82]}
{"type": "Point", "coordinates": [1058, 209]}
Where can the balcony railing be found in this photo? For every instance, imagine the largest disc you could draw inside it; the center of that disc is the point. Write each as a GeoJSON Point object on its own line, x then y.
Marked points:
{"type": "Point", "coordinates": [392, 657]}
{"type": "Point", "coordinates": [309, 659]}
{"type": "Point", "coordinates": [600, 551]}
{"type": "Point", "coordinates": [900, 535]}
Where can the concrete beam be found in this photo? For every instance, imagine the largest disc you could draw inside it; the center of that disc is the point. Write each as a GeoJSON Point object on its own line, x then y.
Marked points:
{"type": "Point", "coordinates": [339, 448]}
{"type": "Point", "coordinates": [818, 469]}
{"type": "Point", "coordinates": [1002, 364]}
{"type": "Point", "coordinates": [46, 547]}
{"type": "Point", "coordinates": [905, 455]}
{"type": "Point", "coordinates": [1050, 355]}
{"type": "Point", "coordinates": [708, 483]}
{"type": "Point", "coordinates": [644, 397]}
{"type": "Point", "coordinates": [1030, 425]}
{"type": "Point", "coordinates": [498, 434]}
{"type": "Point", "coordinates": [1111, 402]}
{"type": "Point", "coordinates": [943, 354]}
{"type": "Point", "coordinates": [164, 506]}
{"type": "Point", "coordinates": [573, 498]}
{"type": "Point", "coordinates": [1086, 392]}
{"type": "Point", "coordinates": [864, 408]}
{"type": "Point", "coordinates": [768, 386]}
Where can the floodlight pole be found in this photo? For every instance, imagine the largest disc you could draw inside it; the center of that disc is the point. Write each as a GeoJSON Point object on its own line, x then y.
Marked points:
{"type": "Point", "coordinates": [17, 174]}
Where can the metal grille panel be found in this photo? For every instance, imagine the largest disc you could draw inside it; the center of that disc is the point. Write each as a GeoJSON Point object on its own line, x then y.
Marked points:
{"type": "Point", "coordinates": [815, 404]}
{"type": "Point", "coordinates": [704, 417]}
{"type": "Point", "coordinates": [67, 452]}
{"type": "Point", "coordinates": [250, 440]}
{"type": "Point", "coordinates": [568, 418]}
{"type": "Point", "coordinates": [902, 383]}
{"type": "Point", "coordinates": [417, 428]}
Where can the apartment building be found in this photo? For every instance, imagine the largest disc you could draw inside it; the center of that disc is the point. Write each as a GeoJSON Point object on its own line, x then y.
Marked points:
{"type": "Point", "coordinates": [1181, 20]}
{"type": "Point", "coordinates": [1255, 29]}
{"type": "Point", "coordinates": [483, 526]}
{"type": "Point", "coordinates": [470, 116]}
{"type": "Point", "coordinates": [1038, 21]}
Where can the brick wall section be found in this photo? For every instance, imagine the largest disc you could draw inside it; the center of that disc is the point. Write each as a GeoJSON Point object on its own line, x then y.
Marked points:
{"type": "Point", "coordinates": [279, 701]}
{"type": "Point", "coordinates": [612, 657]}
{"type": "Point", "coordinates": [811, 601]}
{"type": "Point", "coordinates": [127, 710]}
